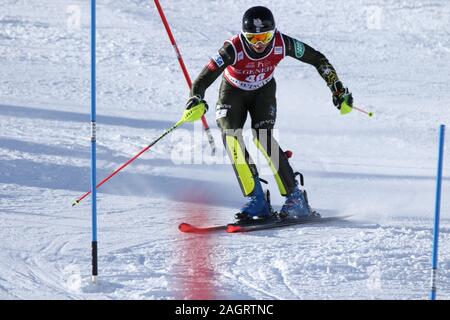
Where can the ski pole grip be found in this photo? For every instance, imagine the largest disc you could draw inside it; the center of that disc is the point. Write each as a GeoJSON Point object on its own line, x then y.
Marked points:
{"type": "Point", "coordinates": [193, 114]}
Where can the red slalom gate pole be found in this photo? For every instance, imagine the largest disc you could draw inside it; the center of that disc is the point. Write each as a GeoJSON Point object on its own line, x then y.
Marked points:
{"type": "Point", "coordinates": [174, 44]}
{"type": "Point", "coordinates": [185, 73]}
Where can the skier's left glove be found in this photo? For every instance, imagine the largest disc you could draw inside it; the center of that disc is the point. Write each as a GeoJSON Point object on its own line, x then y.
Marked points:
{"type": "Point", "coordinates": [196, 107]}
{"type": "Point", "coordinates": [342, 97]}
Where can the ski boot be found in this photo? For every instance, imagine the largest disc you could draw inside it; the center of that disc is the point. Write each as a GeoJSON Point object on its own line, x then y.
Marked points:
{"type": "Point", "coordinates": [296, 204]}
{"type": "Point", "coordinates": [258, 206]}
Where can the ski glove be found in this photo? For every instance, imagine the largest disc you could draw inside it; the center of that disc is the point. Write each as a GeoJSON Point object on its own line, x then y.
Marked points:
{"type": "Point", "coordinates": [195, 101]}
{"type": "Point", "coordinates": [195, 109]}
{"type": "Point", "coordinates": [342, 98]}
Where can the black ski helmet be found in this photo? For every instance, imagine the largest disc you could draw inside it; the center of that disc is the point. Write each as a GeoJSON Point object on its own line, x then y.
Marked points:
{"type": "Point", "coordinates": [258, 19]}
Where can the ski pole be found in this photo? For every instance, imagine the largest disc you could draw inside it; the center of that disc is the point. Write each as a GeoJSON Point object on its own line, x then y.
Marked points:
{"type": "Point", "coordinates": [347, 108]}
{"type": "Point", "coordinates": [190, 115]}
{"type": "Point", "coordinates": [370, 114]}
{"type": "Point", "coordinates": [185, 73]}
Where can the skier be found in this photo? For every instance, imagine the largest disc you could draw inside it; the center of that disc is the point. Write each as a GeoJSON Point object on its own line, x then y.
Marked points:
{"type": "Point", "coordinates": [248, 61]}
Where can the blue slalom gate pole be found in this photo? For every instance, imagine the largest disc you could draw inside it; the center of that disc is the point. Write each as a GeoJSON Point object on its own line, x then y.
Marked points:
{"type": "Point", "coordinates": [437, 213]}
{"type": "Point", "coordinates": [93, 144]}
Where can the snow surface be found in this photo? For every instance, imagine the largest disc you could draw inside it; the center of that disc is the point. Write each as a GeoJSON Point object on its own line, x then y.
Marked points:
{"type": "Point", "coordinates": [393, 55]}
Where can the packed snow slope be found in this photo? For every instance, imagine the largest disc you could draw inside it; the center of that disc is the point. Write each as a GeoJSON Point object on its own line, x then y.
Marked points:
{"type": "Point", "coordinates": [393, 55]}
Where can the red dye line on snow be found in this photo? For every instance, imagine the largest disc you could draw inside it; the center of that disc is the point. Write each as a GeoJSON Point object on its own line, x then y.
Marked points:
{"type": "Point", "coordinates": [195, 263]}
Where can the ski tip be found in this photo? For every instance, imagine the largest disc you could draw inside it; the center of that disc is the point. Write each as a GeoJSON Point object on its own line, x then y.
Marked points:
{"type": "Point", "coordinates": [232, 228]}
{"type": "Point", "coordinates": [185, 227]}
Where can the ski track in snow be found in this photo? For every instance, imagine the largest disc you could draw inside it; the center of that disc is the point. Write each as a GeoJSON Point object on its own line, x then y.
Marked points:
{"type": "Point", "coordinates": [380, 171]}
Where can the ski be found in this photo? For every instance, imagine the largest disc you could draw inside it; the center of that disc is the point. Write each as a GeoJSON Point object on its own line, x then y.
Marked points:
{"type": "Point", "coordinates": [278, 223]}
{"type": "Point", "coordinates": [189, 228]}
{"type": "Point", "coordinates": [255, 226]}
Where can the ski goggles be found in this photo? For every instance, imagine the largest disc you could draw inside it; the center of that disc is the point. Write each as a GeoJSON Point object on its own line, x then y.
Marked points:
{"type": "Point", "coordinates": [264, 37]}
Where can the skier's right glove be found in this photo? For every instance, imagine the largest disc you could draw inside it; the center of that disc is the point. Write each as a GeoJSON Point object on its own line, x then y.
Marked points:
{"type": "Point", "coordinates": [342, 98]}
{"type": "Point", "coordinates": [194, 101]}
{"type": "Point", "coordinates": [196, 107]}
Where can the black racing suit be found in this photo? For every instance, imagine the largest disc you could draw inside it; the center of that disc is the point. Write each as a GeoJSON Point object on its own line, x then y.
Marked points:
{"type": "Point", "coordinates": [234, 104]}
